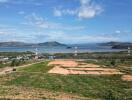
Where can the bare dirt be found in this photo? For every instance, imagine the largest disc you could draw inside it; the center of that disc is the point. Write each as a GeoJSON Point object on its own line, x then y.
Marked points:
{"type": "Point", "coordinates": [66, 63]}
{"type": "Point", "coordinates": [66, 67]}
{"type": "Point", "coordinates": [127, 78]}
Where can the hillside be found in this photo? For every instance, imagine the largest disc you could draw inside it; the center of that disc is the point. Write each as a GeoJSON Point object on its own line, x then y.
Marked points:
{"type": "Point", "coordinates": [117, 45]}
{"type": "Point", "coordinates": [53, 43]}
{"type": "Point", "coordinates": [7, 44]}
{"type": "Point", "coordinates": [22, 44]}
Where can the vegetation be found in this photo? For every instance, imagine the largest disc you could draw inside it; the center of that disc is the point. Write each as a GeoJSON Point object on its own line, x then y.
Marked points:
{"type": "Point", "coordinates": [90, 86]}
{"type": "Point", "coordinates": [39, 67]}
{"type": "Point", "coordinates": [16, 62]}
{"type": "Point", "coordinates": [2, 65]}
{"type": "Point", "coordinates": [14, 54]}
{"type": "Point", "coordinates": [95, 55]}
{"type": "Point", "coordinates": [102, 87]}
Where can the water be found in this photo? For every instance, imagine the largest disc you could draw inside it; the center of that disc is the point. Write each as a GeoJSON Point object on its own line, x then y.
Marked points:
{"type": "Point", "coordinates": [61, 49]}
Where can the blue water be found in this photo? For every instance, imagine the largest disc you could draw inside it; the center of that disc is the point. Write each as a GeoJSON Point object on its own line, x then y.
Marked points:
{"type": "Point", "coordinates": [58, 49]}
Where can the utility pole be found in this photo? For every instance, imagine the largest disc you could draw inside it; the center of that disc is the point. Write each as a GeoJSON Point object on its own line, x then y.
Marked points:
{"type": "Point", "coordinates": [129, 50]}
{"type": "Point", "coordinates": [36, 53]}
{"type": "Point", "coordinates": [76, 51]}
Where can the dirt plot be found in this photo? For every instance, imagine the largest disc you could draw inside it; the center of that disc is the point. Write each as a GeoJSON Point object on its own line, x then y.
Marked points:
{"type": "Point", "coordinates": [127, 78]}
{"type": "Point", "coordinates": [88, 65]}
{"type": "Point", "coordinates": [67, 63]}
{"type": "Point", "coordinates": [66, 67]}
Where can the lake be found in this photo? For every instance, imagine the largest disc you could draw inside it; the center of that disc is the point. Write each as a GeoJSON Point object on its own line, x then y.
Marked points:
{"type": "Point", "coordinates": [61, 49]}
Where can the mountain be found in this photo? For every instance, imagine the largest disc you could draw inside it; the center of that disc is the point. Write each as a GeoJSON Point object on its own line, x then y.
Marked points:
{"type": "Point", "coordinates": [109, 43]}
{"type": "Point", "coordinates": [22, 44]}
{"type": "Point", "coordinates": [52, 43]}
{"type": "Point", "coordinates": [122, 46]}
{"type": "Point", "coordinates": [6, 44]}
{"type": "Point", "coordinates": [117, 45]}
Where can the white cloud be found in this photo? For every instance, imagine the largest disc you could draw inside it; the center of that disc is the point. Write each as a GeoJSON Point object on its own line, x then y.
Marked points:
{"type": "Point", "coordinates": [21, 12]}
{"type": "Point", "coordinates": [87, 9]}
{"type": "Point", "coordinates": [39, 22]}
{"type": "Point", "coordinates": [57, 12]}
{"type": "Point", "coordinates": [61, 36]}
{"type": "Point", "coordinates": [6, 29]}
{"type": "Point", "coordinates": [2, 32]}
{"type": "Point", "coordinates": [117, 31]}
{"type": "Point", "coordinates": [11, 33]}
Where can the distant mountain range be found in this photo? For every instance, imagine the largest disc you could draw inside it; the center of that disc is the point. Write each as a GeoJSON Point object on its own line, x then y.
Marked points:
{"type": "Point", "coordinates": [22, 44]}
{"type": "Point", "coordinates": [118, 45]}
{"type": "Point", "coordinates": [113, 45]}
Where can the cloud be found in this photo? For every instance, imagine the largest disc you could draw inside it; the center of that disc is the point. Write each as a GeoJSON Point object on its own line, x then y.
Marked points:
{"type": "Point", "coordinates": [62, 36]}
{"type": "Point", "coordinates": [2, 32]}
{"type": "Point", "coordinates": [6, 29]}
{"type": "Point", "coordinates": [36, 21]}
{"type": "Point", "coordinates": [87, 9]}
{"type": "Point", "coordinates": [39, 22]}
{"type": "Point", "coordinates": [57, 12]}
{"type": "Point", "coordinates": [117, 31]}
{"type": "Point", "coordinates": [120, 33]}
{"type": "Point", "coordinates": [11, 33]}
{"type": "Point", "coordinates": [21, 12]}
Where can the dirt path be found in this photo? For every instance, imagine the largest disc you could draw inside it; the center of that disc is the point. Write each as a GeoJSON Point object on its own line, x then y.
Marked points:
{"type": "Point", "coordinates": [8, 70]}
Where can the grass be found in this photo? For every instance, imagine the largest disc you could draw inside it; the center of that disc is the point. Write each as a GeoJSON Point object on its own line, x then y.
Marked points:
{"type": "Point", "coordinates": [3, 65]}
{"type": "Point", "coordinates": [83, 85]}
{"type": "Point", "coordinates": [90, 86]}
{"type": "Point", "coordinates": [39, 67]}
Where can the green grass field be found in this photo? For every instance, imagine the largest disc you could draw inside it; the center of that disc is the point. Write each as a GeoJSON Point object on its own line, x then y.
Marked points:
{"type": "Point", "coordinates": [4, 65]}
{"type": "Point", "coordinates": [89, 86]}
{"type": "Point", "coordinates": [39, 67]}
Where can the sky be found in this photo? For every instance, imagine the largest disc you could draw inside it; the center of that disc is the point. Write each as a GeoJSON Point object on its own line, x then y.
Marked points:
{"type": "Point", "coordinates": [66, 21]}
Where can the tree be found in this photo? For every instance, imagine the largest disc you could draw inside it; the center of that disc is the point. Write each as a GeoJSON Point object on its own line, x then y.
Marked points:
{"type": "Point", "coordinates": [13, 62]}
{"type": "Point", "coordinates": [113, 62]}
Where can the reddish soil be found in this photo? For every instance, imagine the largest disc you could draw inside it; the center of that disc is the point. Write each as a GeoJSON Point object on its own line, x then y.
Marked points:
{"type": "Point", "coordinates": [67, 63]}
{"type": "Point", "coordinates": [127, 78]}
{"type": "Point", "coordinates": [67, 67]}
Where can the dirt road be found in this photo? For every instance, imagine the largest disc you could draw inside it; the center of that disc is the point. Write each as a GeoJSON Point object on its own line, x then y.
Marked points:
{"type": "Point", "coordinates": [7, 70]}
